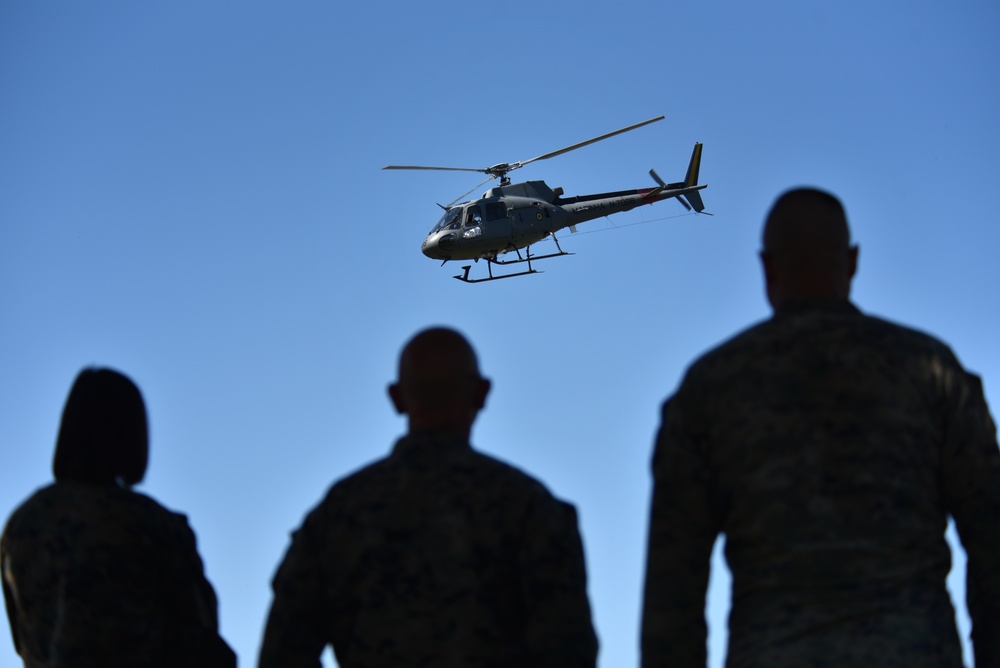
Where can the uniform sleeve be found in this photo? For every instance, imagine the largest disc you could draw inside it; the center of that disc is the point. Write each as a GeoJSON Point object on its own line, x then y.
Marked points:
{"type": "Point", "coordinates": [194, 615]}
{"type": "Point", "coordinates": [195, 600]}
{"type": "Point", "coordinates": [295, 634]}
{"type": "Point", "coordinates": [559, 630]}
{"type": "Point", "coordinates": [684, 523]}
{"type": "Point", "coordinates": [8, 596]}
{"type": "Point", "coordinates": [971, 471]}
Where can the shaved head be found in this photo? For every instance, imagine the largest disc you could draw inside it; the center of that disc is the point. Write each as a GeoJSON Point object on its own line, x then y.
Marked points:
{"type": "Point", "coordinates": [439, 384]}
{"type": "Point", "coordinates": [807, 248]}
{"type": "Point", "coordinates": [808, 222]}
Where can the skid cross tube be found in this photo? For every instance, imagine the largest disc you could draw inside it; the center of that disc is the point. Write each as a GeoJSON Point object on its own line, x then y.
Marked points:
{"type": "Point", "coordinates": [464, 276]}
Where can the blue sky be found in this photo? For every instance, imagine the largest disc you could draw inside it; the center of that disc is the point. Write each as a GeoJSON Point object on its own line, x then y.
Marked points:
{"type": "Point", "coordinates": [190, 192]}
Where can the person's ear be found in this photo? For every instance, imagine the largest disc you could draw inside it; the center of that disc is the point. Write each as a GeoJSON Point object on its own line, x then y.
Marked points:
{"type": "Point", "coordinates": [852, 260]}
{"type": "Point", "coordinates": [483, 386]}
{"type": "Point", "coordinates": [396, 396]}
{"type": "Point", "coordinates": [765, 263]}
{"type": "Point", "coordinates": [770, 280]}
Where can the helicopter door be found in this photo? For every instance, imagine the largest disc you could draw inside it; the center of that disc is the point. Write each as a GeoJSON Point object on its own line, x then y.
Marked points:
{"type": "Point", "coordinates": [497, 219]}
{"type": "Point", "coordinates": [472, 223]}
{"type": "Point", "coordinates": [473, 216]}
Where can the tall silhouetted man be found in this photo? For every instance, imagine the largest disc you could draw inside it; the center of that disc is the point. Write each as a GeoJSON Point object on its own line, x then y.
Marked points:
{"type": "Point", "coordinates": [830, 447]}
{"type": "Point", "coordinates": [436, 556]}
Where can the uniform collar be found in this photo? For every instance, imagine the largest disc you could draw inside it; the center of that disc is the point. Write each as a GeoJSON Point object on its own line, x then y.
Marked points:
{"type": "Point", "coordinates": [430, 438]}
{"type": "Point", "coordinates": [816, 305]}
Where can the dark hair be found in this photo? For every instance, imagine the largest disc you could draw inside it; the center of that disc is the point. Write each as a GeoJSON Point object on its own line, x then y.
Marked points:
{"type": "Point", "coordinates": [103, 437]}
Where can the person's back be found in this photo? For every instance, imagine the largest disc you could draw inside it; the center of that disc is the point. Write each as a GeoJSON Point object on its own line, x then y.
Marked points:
{"type": "Point", "coordinates": [441, 556]}
{"type": "Point", "coordinates": [94, 570]}
{"type": "Point", "coordinates": [437, 555]}
{"type": "Point", "coordinates": [830, 448]}
{"type": "Point", "coordinates": [834, 503]}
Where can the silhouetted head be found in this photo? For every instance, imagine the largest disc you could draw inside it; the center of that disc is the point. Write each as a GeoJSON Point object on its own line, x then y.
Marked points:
{"type": "Point", "coordinates": [807, 249]}
{"type": "Point", "coordinates": [104, 437]}
{"type": "Point", "coordinates": [439, 384]}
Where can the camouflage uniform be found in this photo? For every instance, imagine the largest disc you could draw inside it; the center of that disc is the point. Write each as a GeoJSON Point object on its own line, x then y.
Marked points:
{"type": "Point", "coordinates": [434, 556]}
{"type": "Point", "coordinates": [830, 448]}
{"type": "Point", "coordinates": [100, 576]}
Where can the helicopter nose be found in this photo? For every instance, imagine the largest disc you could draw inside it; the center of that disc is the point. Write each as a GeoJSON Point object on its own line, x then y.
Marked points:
{"type": "Point", "coordinates": [447, 242]}
{"type": "Point", "coordinates": [437, 247]}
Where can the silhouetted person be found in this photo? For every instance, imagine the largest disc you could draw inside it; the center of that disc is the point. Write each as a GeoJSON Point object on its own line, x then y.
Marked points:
{"type": "Point", "coordinates": [829, 447]}
{"type": "Point", "coordinates": [437, 555]}
{"type": "Point", "coordinates": [95, 574]}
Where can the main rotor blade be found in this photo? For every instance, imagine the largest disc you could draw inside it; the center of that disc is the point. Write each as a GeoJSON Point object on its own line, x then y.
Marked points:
{"type": "Point", "coordinates": [585, 143]}
{"type": "Point", "coordinates": [444, 169]}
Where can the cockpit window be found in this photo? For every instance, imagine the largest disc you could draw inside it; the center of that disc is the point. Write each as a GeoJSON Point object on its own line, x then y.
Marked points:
{"type": "Point", "coordinates": [451, 219]}
{"type": "Point", "coordinates": [473, 216]}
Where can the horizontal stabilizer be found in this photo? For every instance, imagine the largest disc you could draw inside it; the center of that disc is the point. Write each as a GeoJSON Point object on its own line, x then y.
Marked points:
{"type": "Point", "coordinates": [694, 198]}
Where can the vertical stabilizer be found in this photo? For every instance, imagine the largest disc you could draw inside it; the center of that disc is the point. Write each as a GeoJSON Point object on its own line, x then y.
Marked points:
{"type": "Point", "coordinates": [692, 174]}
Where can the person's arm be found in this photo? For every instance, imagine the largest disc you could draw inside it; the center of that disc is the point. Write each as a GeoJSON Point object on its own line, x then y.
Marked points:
{"type": "Point", "coordinates": [971, 480]}
{"type": "Point", "coordinates": [682, 530]}
{"type": "Point", "coordinates": [295, 634]}
{"type": "Point", "coordinates": [558, 627]}
{"type": "Point", "coordinates": [194, 607]}
{"type": "Point", "coordinates": [8, 597]}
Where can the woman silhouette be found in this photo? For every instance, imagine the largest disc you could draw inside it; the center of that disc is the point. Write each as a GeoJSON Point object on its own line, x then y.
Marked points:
{"type": "Point", "coordinates": [95, 574]}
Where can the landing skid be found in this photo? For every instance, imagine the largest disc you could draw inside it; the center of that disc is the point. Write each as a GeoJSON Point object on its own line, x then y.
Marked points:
{"type": "Point", "coordinates": [464, 276]}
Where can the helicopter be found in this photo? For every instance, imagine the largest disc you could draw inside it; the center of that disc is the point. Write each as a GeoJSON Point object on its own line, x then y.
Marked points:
{"type": "Point", "coordinates": [510, 217]}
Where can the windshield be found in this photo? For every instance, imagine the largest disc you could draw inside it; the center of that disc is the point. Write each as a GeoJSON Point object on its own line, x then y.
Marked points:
{"type": "Point", "coordinates": [451, 219]}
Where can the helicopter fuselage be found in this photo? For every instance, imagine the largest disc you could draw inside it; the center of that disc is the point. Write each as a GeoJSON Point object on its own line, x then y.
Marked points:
{"type": "Point", "coordinates": [514, 216]}
{"type": "Point", "coordinates": [510, 216]}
